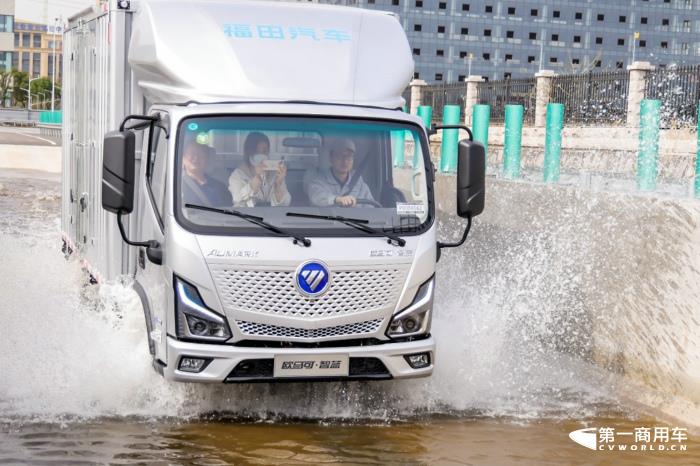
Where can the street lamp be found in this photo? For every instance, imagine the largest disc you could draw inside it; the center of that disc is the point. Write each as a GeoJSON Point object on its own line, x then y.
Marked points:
{"type": "Point", "coordinates": [44, 94]}
{"type": "Point", "coordinates": [29, 93]}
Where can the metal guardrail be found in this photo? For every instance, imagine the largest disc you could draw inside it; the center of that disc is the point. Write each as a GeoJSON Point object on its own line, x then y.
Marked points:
{"type": "Point", "coordinates": [51, 130]}
{"type": "Point", "coordinates": [498, 94]}
{"type": "Point", "coordinates": [444, 94]}
{"type": "Point", "coordinates": [678, 89]}
{"type": "Point", "coordinates": [592, 98]}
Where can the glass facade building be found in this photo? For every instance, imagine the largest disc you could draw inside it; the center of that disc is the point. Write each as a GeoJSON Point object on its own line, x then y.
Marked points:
{"type": "Point", "coordinates": [7, 21]}
{"type": "Point", "coordinates": [497, 39]}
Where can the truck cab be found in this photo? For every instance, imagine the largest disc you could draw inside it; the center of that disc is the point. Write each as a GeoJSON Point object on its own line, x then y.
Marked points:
{"type": "Point", "coordinates": [276, 207]}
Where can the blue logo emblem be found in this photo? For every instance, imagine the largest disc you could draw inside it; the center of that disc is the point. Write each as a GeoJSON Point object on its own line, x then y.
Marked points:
{"type": "Point", "coordinates": [313, 279]}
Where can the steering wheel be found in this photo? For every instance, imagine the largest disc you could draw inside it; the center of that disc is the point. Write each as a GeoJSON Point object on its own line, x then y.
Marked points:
{"type": "Point", "coordinates": [373, 203]}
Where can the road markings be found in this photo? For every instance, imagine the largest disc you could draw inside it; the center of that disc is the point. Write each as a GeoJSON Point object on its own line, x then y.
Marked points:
{"type": "Point", "coordinates": [37, 137]}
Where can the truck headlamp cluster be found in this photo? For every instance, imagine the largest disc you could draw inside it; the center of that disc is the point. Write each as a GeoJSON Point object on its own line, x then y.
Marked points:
{"type": "Point", "coordinates": [415, 319]}
{"type": "Point", "coordinates": [194, 320]}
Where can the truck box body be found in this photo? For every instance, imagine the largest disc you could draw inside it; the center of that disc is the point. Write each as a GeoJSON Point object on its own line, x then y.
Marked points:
{"type": "Point", "coordinates": [275, 233]}
{"type": "Point", "coordinates": [97, 93]}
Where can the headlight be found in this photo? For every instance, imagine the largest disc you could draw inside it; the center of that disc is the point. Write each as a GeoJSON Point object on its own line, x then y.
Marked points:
{"type": "Point", "coordinates": [415, 319]}
{"type": "Point", "coordinates": [194, 320]}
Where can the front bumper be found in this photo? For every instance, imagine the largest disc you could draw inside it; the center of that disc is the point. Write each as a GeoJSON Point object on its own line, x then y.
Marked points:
{"type": "Point", "coordinates": [224, 359]}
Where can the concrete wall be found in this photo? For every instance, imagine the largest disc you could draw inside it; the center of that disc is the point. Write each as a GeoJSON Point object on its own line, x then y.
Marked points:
{"type": "Point", "coordinates": [608, 150]}
{"type": "Point", "coordinates": [12, 114]}
{"type": "Point", "coordinates": [610, 278]}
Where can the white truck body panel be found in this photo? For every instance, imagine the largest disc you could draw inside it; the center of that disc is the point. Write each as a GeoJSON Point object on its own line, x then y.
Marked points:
{"type": "Point", "coordinates": [255, 50]}
{"type": "Point", "coordinates": [96, 96]}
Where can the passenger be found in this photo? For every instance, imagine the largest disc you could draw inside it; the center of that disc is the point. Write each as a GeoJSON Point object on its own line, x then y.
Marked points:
{"type": "Point", "coordinates": [198, 187]}
{"type": "Point", "coordinates": [251, 184]}
{"type": "Point", "coordinates": [337, 186]}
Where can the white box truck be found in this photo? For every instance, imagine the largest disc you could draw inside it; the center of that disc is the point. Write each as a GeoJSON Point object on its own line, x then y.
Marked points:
{"type": "Point", "coordinates": [249, 165]}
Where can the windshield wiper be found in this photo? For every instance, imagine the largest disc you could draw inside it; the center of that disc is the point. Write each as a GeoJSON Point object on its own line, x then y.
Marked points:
{"type": "Point", "coordinates": [356, 223]}
{"type": "Point", "coordinates": [255, 220]}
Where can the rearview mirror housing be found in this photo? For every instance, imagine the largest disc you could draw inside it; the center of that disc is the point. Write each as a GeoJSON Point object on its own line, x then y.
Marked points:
{"type": "Point", "coordinates": [471, 178]}
{"type": "Point", "coordinates": [118, 171]}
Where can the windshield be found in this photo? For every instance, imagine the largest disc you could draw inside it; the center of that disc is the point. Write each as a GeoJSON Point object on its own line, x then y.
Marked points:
{"type": "Point", "coordinates": [275, 168]}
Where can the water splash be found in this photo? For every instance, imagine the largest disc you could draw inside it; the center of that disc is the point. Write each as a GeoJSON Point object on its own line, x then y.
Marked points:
{"type": "Point", "coordinates": [512, 325]}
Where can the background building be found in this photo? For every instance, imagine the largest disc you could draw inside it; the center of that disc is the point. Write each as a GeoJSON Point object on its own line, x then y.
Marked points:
{"type": "Point", "coordinates": [34, 49]}
{"type": "Point", "coordinates": [7, 15]}
{"type": "Point", "coordinates": [516, 38]}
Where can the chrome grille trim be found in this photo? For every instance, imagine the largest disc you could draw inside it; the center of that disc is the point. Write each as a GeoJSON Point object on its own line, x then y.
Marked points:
{"type": "Point", "coordinates": [274, 293]}
{"type": "Point", "coordinates": [265, 330]}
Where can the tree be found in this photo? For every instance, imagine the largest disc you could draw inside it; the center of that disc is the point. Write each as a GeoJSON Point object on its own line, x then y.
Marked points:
{"type": "Point", "coordinates": [20, 81]}
{"type": "Point", "coordinates": [41, 93]}
{"type": "Point", "coordinates": [5, 86]}
{"type": "Point", "coordinates": [41, 90]}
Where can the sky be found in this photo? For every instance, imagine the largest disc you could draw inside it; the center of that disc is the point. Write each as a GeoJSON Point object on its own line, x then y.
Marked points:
{"type": "Point", "coordinates": [38, 10]}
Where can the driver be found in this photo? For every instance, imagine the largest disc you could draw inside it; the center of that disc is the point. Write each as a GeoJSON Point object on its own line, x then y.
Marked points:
{"type": "Point", "coordinates": [339, 185]}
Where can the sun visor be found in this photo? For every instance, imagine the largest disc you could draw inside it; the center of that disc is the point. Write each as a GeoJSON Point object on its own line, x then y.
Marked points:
{"type": "Point", "coordinates": [213, 51]}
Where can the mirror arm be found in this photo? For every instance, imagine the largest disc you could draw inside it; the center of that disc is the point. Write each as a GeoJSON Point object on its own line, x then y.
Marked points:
{"type": "Point", "coordinates": [434, 129]}
{"type": "Point", "coordinates": [441, 245]}
{"type": "Point", "coordinates": [146, 244]}
{"type": "Point", "coordinates": [149, 118]}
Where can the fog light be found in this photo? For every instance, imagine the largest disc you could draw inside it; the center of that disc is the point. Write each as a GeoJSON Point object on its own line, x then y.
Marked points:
{"type": "Point", "coordinates": [418, 361]}
{"type": "Point", "coordinates": [188, 364]}
{"type": "Point", "coordinates": [410, 324]}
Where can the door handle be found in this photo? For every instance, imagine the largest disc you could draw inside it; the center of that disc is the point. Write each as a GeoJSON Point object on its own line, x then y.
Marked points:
{"type": "Point", "coordinates": [83, 202]}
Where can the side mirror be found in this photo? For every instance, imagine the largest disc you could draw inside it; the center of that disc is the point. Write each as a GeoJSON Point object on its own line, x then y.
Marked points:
{"type": "Point", "coordinates": [471, 177]}
{"type": "Point", "coordinates": [118, 171]}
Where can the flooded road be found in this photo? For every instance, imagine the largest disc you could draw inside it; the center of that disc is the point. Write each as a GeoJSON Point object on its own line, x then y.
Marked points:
{"type": "Point", "coordinates": [433, 441]}
{"type": "Point", "coordinates": [76, 386]}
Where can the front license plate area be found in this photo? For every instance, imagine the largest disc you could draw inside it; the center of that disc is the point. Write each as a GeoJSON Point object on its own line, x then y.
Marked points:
{"type": "Point", "coordinates": [318, 365]}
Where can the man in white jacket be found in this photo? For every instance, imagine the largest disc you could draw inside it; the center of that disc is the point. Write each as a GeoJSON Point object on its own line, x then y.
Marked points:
{"type": "Point", "coordinates": [333, 186]}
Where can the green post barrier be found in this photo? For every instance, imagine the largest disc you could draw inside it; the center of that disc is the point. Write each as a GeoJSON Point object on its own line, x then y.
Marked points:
{"type": "Point", "coordinates": [450, 138]}
{"type": "Point", "coordinates": [697, 160]}
{"type": "Point", "coordinates": [425, 113]}
{"type": "Point", "coordinates": [513, 140]}
{"type": "Point", "coordinates": [552, 142]}
{"type": "Point", "coordinates": [481, 117]}
{"type": "Point", "coordinates": [648, 157]}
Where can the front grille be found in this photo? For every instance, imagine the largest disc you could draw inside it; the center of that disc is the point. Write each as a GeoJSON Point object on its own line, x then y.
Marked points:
{"type": "Point", "coordinates": [264, 330]}
{"type": "Point", "coordinates": [261, 370]}
{"type": "Point", "coordinates": [274, 292]}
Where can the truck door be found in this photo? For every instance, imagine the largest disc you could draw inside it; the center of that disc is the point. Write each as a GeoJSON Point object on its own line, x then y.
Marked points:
{"type": "Point", "coordinates": [152, 282]}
